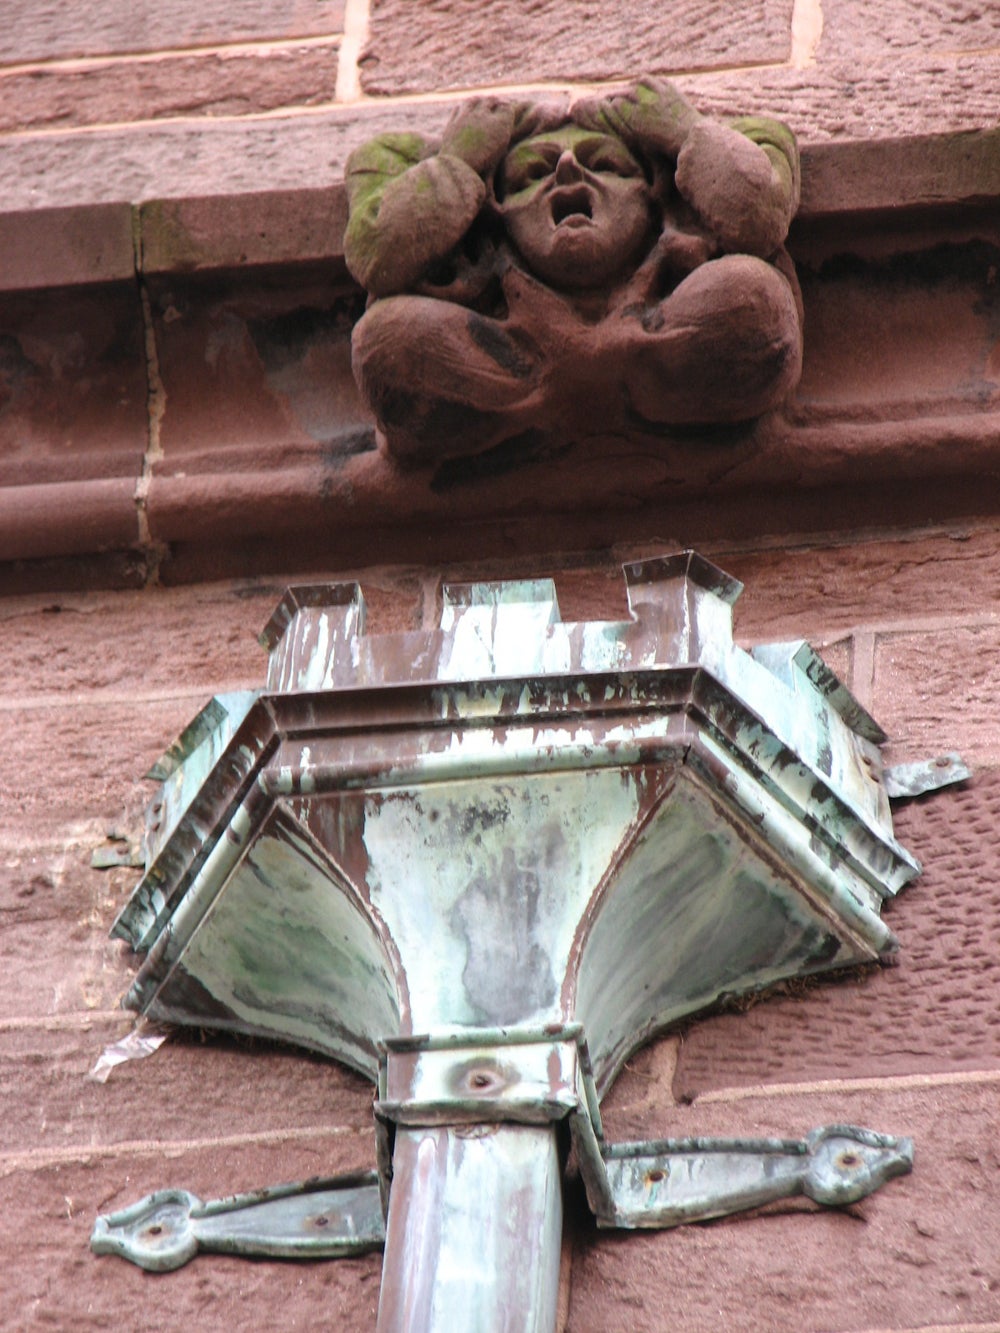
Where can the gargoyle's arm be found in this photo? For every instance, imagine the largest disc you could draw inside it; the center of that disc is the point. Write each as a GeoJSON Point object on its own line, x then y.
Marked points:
{"type": "Point", "coordinates": [742, 180]}
{"type": "Point", "coordinates": [652, 116]}
{"type": "Point", "coordinates": [410, 204]}
{"type": "Point", "coordinates": [408, 209]}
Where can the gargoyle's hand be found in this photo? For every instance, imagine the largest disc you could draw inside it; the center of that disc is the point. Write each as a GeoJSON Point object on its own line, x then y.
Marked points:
{"type": "Point", "coordinates": [409, 208]}
{"type": "Point", "coordinates": [652, 115]}
{"type": "Point", "coordinates": [675, 255]}
{"type": "Point", "coordinates": [531, 118]}
{"type": "Point", "coordinates": [780, 145]}
{"type": "Point", "coordinates": [479, 133]}
{"type": "Point", "coordinates": [681, 252]}
{"type": "Point", "coordinates": [743, 187]}
{"type": "Point", "coordinates": [459, 277]}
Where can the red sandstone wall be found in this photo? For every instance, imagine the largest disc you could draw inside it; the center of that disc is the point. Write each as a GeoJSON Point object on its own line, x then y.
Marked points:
{"type": "Point", "coordinates": [129, 102]}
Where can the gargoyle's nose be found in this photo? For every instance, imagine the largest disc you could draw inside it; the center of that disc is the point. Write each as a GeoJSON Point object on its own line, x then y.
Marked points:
{"type": "Point", "coordinates": [567, 168]}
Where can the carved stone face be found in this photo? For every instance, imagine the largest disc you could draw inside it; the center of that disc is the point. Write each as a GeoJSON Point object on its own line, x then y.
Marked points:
{"type": "Point", "coordinates": [576, 205]}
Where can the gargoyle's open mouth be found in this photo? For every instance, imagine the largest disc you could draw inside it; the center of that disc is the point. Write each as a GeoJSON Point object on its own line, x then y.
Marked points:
{"type": "Point", "coordinates": [572, 203]}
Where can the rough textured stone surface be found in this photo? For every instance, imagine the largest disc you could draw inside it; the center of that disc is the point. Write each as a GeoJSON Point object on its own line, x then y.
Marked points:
{"type": "Point", "coordinates": [56, 648]}
{"type": "Point", "coordinates": [72, 385]}
{"type": "Point", "coordinates": [121, 648]}
{"type": "Point", "coordinates": [459, 44]}
{"type": "Point", "coordinates": [178, 159]}
{"type": "Point", "coordinates": [215, 1089]}
{"type": "Point", "coordinates": [48, 30]}
{"type": "Point", "coordinates": [100, 750]}
{"type": "Point", "coordinates": [283, 421]}
{"type": "Point", "coordinates": [863, 97]}
{"type": "Point", "coordinates": [904, 26]}
{"type": "Point", "coordinates": [216, 83]}
{"type": "Point", "coordinates": [55, 911]}
{"type": "Point", "coordinates": [961, 166]}
{"type": "Point", "coordinates": [910, 580]}
{"type": "Point", "coordinates": [52, 1279]}
{"type": "Point", "coordinates": [229, 232]}
{"type": "Point", "coordinates": [114, 568]}
{"type": "Point", "coordinates": [74, 518]}
{"type": "Point", "coordinates": [50, 893]}
{"type": "Point", "coordinates": [938, 691]}
{"type": "Point", "coordinates": [874, 346]}
{"type": "Point", "coordinates": [920, 1253]}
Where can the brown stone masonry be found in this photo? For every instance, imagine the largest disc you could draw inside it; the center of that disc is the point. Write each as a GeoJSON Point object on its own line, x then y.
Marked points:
{"type": "Point", "coordinates": [215, 420]}
{"type": "Point", "coordinates": [181, 435]}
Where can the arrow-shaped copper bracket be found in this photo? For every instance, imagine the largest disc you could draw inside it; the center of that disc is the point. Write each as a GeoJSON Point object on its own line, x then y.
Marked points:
{"type": "Point", "coordinates": [526, 1077]}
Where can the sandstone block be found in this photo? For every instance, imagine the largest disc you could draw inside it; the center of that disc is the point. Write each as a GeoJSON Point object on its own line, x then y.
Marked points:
{"type": "Point", "coordinates": [825, 588]}
{"type": "Point", "coordinates": [61, 247]}
{"type": "Point", "coordinates": [949, 25]}
{"type": "Point", "coordinates": [938, 690]}
{"type": "Point", "coordinates": [72, 386]}
{"type": "Point", "coordinates": [48, 1212]}
{"type": "Point", "coordinates": [293, 226]}
{"type": "Point", "coordinates": [212, 83]}
{"type": "Point", "coordinates": [48, 31]}
{"type": "Point", "coordinates": [191, 159]}
{"type": "Point", "coordinates": [458, 44]}
{"type": "Point", "coordinates": [264, 377]}
{"type": "Point", "coordinates": [876, 99]}
{"type": "Point", "coordinates": [75, 518]}
{"type": "Point", "coordinates": [216, 1089]}
{"type": "Point", "coordinates": [77, 644]}
{"type": "Point", "coordinates": [874, 350]}
{"type": "Point", "coordinates": [79, 764]}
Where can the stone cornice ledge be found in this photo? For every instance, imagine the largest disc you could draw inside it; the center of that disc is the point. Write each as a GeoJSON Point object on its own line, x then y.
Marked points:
{"type": "Point", "coordinates": [893, 444]}
{"type": "Point", "coordinates": [104, 241]}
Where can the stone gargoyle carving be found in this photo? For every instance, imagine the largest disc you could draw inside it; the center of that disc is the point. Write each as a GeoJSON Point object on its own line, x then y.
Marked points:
{"type": "Point", "coordinates": [614, 268]}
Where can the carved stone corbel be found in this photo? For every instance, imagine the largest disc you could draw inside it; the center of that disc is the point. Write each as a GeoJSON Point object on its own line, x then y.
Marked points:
{"type": "Point", "coordinates": [613, 268]}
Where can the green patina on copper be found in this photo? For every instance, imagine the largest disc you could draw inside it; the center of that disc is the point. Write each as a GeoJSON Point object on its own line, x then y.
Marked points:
{"type": "Point", "coordinates": [484, 862]}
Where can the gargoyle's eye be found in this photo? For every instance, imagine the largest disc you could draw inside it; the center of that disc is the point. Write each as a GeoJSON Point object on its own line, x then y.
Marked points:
{"type": "Point", "coordinates": [607, 160]}
{"type": "Point", "coordinates": [526, 167]}
{"type": "Point", "coordinates": [528, 170]}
